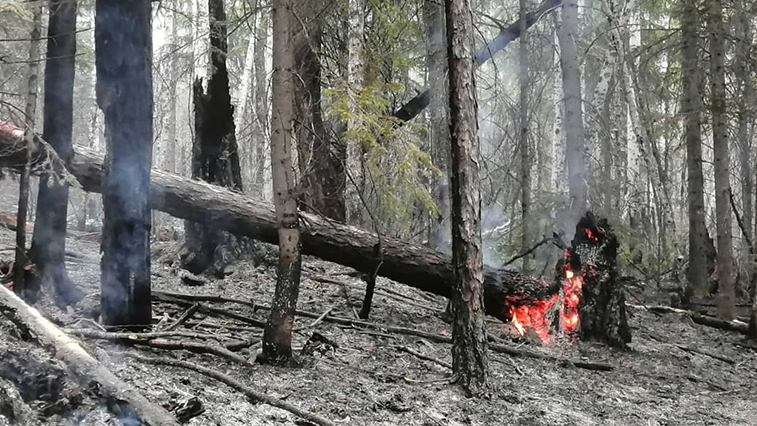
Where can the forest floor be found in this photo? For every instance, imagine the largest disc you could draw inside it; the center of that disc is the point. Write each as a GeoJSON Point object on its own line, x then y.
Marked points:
{"type": "Point", "coordinates": [365, 379]}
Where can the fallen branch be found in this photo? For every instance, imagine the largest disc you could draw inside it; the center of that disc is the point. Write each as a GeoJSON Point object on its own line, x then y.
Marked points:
{"type": "Point", "coordinates": [426, 357]}
{"type": "Point", "coordinates": [122, 397]}
{"type": "Point", "coordinates": [161, 343]}
{"type": "Point", "coordinates": [706, 353]}
{"type": "Point", "coordinates": [184, 317]}
{"type": "Point", "coordinates": [164, 297]}
{"type": "Point", "coordinates": [402, 299]}
{"type": "Point", "coordinates": [254, 395]}
{"type": "Point", "coordinates": [735, 325]}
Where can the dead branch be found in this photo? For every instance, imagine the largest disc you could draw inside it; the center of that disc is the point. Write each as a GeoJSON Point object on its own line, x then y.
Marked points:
{"type": "Point", "coordinates": [164, 297]}
{"type": "Point", "coordinates": [706, 353]}
{"type": "Point", "coordinates": [184, 317]}
{"type": "Point", "coordinates": [162, 343]}
{"type": "Point", "coordinates": [426, 357]}
{"type": "Point", "coordinates": [735, 325]}
{"type": "Point", "coordinates": [253, 394]}
{"type": "Point", "coordinates": [400, 298]}
{"type": "Point", "coordinates": [85, 368]}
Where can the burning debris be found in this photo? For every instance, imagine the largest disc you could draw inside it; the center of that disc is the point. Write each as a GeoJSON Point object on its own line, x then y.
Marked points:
{"type": "Point", "coordinates": [591, 301]}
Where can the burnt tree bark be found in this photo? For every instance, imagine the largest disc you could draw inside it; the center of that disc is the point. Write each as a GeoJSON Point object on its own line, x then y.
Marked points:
{"type": "Point", "coordinates": [49, 240]}
{"type": "Point", "coordinates": [215, 158]}
{"type": "Point", "coordinates": [593, 257]}
{"type": "Point", "coordinates": [123, 52]}
{"type": "Point", "coordinates": [416, 266]}
{"type": "Point", "coordinates": [470, 360]}
{"type": "Point", "coordinates": [277, 337]}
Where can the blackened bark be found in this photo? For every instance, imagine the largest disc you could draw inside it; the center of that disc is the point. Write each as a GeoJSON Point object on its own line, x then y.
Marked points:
{"type": "Point", "coordinates": [593, 256]}
{"type": "Point", "coordinates": [49, 240]}
{"type": "Point", "coordinates": [123, 48]}
{"type": "Point", "coordinates": [470, 361]}
{"type": "Point", "coordinates": [416, 105]}
{"type": "Point", "coordinates": [215, 157]}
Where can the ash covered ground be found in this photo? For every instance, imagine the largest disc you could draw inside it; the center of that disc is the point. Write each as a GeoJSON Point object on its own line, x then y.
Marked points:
{"type": "Point", "coordinates": [365, 379]}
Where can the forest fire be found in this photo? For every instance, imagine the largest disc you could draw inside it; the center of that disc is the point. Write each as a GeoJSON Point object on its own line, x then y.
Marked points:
{"type": "Point", "coordinates": [536, 316]}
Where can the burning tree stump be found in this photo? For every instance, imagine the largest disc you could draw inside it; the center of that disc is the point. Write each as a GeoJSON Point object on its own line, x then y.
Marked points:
{"type": "Point", "coordinates": [594, 303]}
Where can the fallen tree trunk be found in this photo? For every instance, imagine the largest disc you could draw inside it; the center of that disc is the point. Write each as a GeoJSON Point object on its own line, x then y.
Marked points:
{"type": "Point", "coordinates": [123, 399]}
{"type": "Point", "coordinates": [410, 264]}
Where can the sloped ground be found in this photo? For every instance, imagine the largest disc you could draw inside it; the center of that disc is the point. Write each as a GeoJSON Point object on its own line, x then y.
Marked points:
{"type": "Point", "coordinates": [367, 380]}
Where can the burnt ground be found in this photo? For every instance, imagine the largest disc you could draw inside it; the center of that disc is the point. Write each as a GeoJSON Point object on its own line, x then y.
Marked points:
{"type": "Point", "coordinates": [367, 380]}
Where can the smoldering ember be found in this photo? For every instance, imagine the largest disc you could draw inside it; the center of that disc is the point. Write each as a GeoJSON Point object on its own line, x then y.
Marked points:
{"type": "Point", "coordinates": [426, 212]}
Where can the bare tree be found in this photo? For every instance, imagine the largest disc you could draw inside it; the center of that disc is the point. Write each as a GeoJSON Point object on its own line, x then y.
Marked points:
{"type": "Point", "coordinates": [277, 337]}
{"type": "Point", "coordinates": [470, 361]}
{"type": "Point", "coordinates": [49, 241]}
{"type": "Point", "coordinates": [123, 48]}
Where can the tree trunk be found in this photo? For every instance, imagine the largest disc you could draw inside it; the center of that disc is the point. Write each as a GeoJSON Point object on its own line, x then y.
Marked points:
{"type": "Point", "coordinates": [416, 266]}
{"type": "Point", "coordinates": [123, 46]}
{"type": "Point", "coordinates": [30, 112]}
{"type": "Point", "coordinates": [525, 154]}
{"type": "Point", "coordinates": [592, 259]}
{"type": "Point", "coordinates": [215, 157]}
{"type": "Point", "coordinates": [726, 296]}
{"type": "Point", "coordinates": [244, 90]}
{"type": "Point", "coordinates": [691, 108]}
{"type": "Point", "coordinates": [173, 81]}
{"type": "Point", "coordinates": [559, 174]}
{"type": "Point", "coordinates": [356, 150]}
{"type": "Point", "coordinates": [470, 362]}
{"type": "Point", "coordinates": [573, 126]}
{"type": "Point", "coordinates": [49, 241]}
{"type": "Point", "coordinates": [277, 337]}
{"type": "Point", "coordinates": [321, 192]}
{"type": "Point", "coordinates": [261, 129]}
{"type": "Point", "coordinates": [439, 137]}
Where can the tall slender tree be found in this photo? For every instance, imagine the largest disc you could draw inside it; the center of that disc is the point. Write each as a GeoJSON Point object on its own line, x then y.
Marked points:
{"type": "Point", "coordinates": [691, 109]}
{"type": "Point", "coordinates": [21, 261]}
{"type": "Point", "coordinates": [470, 361]}
{"type": "Point", "coordinates": [49, 240]}
{"type": "Point", "coordinates": [123, 53]}
{"type": "Point", "coordinates": [277, 337]}
{"type": "Point", "coordinates": [726, 299]}
{"type": "Point", "coordinates": [525, 154]}
{"type": "Point", "coordinates": [573, 126]}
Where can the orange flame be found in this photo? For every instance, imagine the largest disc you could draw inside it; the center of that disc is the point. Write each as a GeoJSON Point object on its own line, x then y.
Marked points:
{"type": "Point", "coordinates": [569, 317]}
{"type": "Point", "coordinates": [533, 317]}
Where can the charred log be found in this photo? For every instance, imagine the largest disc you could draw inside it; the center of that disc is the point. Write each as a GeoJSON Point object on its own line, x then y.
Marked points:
{"type": "Point", "coordinates": [413, 265]}
{"type": "Point", "coordinates": [593, 257]}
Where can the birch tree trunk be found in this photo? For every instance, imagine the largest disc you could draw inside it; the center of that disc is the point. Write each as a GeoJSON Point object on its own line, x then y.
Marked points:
{"type": "Point", "coordinates": [49, 241]}
{"type": "Point", "coordinates": [261, 129]}
{"type": "Point", "coordinates": [559, 177]}
{"type": "Point", "coordinates": [523, 146]}
{"type": "Point", "coordinates": [244, 90]}
{"type": "Point", "coordinates": [30, 112]}
{"type": "Point", "coordinates": [470, 361]}
{"type": "Point", "coordinates": [277, 337]}
{"type": "Point", "coordinates": [436, 63]}
{"type": "Point", "coordinates": [173, 77]}
{"type": "Point", "coordinates": [726, 299]}
{"type": "Point", "coordinates": [573, 126]}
